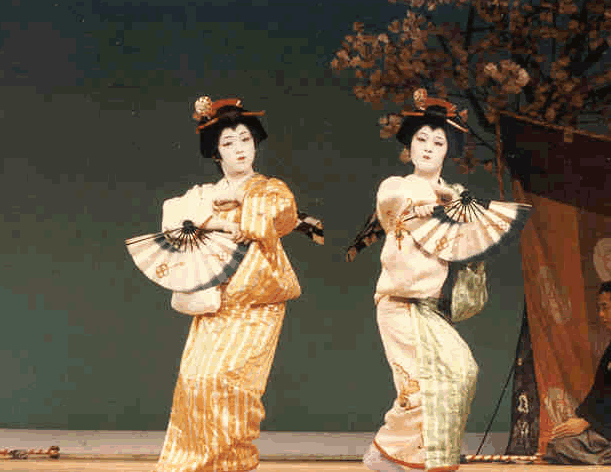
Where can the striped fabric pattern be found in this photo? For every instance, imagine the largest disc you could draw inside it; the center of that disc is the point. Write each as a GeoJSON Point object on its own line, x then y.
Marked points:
{"type": "Point", "coordinates": [448, 376]}
{"type": "Point", "coordinates": [217, 406]}
{"type": "Point", "coordinates": [217, 409]}
{"type": "Point", "coordinates": [425, 431]}
{"type": "Point", "coordinates": [265, 275]}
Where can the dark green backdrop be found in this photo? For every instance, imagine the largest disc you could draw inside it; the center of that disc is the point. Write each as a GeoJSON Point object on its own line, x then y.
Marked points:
{"type": "Point", "coordinates": [95, 105]}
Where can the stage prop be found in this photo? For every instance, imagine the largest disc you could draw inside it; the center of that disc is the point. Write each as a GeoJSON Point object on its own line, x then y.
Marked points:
{"type": "Point", "coordinates": [566, 252]}
{"type": "Point", "coordinates": [187, 259]}
{"type": "Point", "coordinates": [502, 458]}
{"type": "Point", "coordinates": [467, 228]}
{"type": "Point", "coordinates": [52, 453]}
{"type": "Point", "coordinates": [524, 435]}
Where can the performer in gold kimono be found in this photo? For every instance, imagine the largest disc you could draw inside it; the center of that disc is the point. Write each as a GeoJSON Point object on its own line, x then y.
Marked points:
{"type": "Point", "coordinates": [228, 354]}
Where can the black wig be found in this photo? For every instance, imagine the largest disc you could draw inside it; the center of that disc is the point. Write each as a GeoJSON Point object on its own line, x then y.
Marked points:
{"type": "Point", "coordinates": [228, 117]}
{"type": "Point", "coordinates": [435, 117]}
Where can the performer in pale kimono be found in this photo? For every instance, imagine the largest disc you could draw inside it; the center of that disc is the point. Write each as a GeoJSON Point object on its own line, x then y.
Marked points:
{"type": "Point", "coordinates": [433, 369]}
{"type": "Point", "coordinates": [229, 351]}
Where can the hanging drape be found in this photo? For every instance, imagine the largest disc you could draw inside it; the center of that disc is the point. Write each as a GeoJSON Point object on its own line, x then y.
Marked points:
{"type": "Point", "coordinates": [566, 254]}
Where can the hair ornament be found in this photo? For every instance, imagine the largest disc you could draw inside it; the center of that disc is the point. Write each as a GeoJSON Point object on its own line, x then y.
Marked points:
{"type": "Point", "coordinates": [423, 102]}
{"type": "Point", "coordinates": [207, 111]}
{"type": "Point", "coordinates": [203, 107]}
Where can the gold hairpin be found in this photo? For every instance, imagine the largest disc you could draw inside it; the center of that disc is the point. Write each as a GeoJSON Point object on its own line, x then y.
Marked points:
{"type": "Point", "coordinates": [206, 108]}
{"type": "Point", "coordinates": [423, 101]}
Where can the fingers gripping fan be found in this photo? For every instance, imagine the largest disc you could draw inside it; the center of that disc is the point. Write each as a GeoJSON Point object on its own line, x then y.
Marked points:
{"type": "Point", "coordinates": [188, 258]}
{"type": "Point", "coordinates": [467, 228]}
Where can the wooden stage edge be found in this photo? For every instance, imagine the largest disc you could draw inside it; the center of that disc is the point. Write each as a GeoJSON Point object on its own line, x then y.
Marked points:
{"type": "Point", "coordinates": [135, 464]}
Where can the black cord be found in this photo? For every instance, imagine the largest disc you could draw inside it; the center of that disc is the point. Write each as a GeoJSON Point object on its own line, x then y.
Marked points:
{"type": "Point", "coordinates": [496, 410]}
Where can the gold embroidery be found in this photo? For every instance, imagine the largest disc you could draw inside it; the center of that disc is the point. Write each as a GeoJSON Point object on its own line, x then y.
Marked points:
{"type": "Point", "coordinates": [224, 257]}
{"type": "Point", "coordinates": [443, 242]}
{"type": "Point", "coordinates": [399, 221]}
{"type": "Point", "coordinates": [163, 269]}
{"type": "Point", "coordinates": [409, 387]}
{"type": "Point", "coordinates": [500, 227]}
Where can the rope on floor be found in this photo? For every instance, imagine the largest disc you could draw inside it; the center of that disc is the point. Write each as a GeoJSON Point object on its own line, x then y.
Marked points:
{"type": "Point", "coordinates": [52, 452]}
{"type": "Point", "coordinates": [507, 459]}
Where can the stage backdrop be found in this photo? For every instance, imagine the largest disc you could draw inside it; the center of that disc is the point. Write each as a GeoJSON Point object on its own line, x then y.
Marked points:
{"type": "Point", "coordinates": [96, 132]}
{"type": "Point", "coordinates": [566, 254]}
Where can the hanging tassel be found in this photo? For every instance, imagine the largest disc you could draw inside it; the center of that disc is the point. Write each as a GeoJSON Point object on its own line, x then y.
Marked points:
{"type": "Point", "coordinates": [499, 164]}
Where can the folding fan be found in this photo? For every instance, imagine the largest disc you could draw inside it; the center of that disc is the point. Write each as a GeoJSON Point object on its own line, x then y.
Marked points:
{"type": "Point", "coordinates": [467, 228]}
{"type": "Point", "coordinates": [187, 258]}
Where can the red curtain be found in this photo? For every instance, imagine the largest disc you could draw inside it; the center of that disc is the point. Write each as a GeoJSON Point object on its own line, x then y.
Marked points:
{"type": "Point", "coordinates": [566, 254]}
{"type": "Point", "coordinates": [557, 310]}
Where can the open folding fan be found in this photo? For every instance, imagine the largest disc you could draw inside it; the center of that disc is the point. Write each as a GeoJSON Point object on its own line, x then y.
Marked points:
{"type": "Point", "coordinates": [467, 228]}
{"type": "Point", "coordinates": [187, 258]}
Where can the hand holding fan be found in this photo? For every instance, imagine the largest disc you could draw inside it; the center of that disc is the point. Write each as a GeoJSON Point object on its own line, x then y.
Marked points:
{"type": "Point", "coordinates": [466, 228]}
{"type": "Point", "coordinates": [188, 258]}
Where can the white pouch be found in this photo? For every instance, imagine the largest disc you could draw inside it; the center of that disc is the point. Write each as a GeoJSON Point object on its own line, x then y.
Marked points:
{"type": "Point", "coordinates": [197, 303]}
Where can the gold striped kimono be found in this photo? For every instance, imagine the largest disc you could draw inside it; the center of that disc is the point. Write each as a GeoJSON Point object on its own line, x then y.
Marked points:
{"type": "Point", "coordinates": [228, 355]}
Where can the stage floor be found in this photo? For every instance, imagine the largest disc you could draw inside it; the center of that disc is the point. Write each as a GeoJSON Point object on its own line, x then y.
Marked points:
{"type": "Point", "coordinates": [284, 466]}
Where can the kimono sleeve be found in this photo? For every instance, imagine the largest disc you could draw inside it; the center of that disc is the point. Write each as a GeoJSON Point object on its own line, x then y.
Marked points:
{"type": "Point", "coordinates": [390, 202]}
{"type": "Point", "coordinates": [596, 407]}
{"type": "Point", "coordinates": [268, 213]}
{"type": "Point", "coordinates": [187, 207]}
{"type": "Point", "coordinates": [171, 214]}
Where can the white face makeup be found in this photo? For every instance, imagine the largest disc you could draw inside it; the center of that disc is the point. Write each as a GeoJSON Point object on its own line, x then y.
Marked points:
{"type": "Point", "coordinates": [428, 150]}
{"type": "Point", "coordinates": [237, 150]}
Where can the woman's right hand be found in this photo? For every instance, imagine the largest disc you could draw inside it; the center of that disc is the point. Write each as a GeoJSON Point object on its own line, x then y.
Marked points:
{"type": "Point", "coordinates": [234, 230]}
{"type": "Point", "coordinates": [445, 193]}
